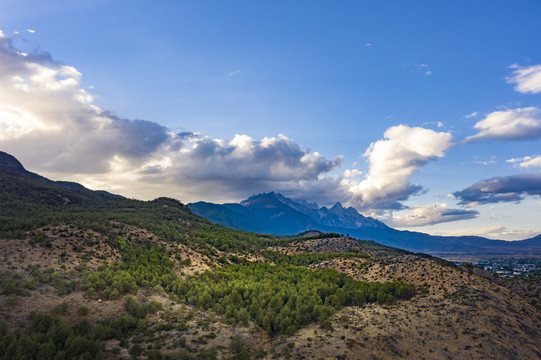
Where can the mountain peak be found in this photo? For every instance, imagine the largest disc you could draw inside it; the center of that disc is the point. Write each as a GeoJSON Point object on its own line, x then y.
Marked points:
{"type": "Point", "coordinates": [337, 206]}
{"type": "Point", "coordinates": [300, 205]}
{"type": "Point", "coordinates": [272, 196]}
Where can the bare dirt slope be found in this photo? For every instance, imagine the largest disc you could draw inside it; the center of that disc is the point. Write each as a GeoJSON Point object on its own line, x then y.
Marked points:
{"type": "Point", "coordinates": [457, 315]}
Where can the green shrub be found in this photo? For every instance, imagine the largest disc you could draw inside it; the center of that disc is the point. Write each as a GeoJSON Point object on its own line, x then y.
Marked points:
{"type": "Point", "coordinates": [83, 310]}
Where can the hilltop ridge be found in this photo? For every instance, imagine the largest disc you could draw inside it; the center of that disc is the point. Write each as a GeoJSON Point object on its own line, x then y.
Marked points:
{"type": "Point", "coordinates": [11, 166]}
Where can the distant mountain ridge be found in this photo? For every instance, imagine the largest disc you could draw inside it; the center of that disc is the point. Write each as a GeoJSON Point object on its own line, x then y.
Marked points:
{"type": "Point", "coordinates": [273, 213]}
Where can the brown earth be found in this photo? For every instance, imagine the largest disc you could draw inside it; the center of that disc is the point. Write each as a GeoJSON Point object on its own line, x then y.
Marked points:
{"type": "Point", "coordinates": [457, 313]}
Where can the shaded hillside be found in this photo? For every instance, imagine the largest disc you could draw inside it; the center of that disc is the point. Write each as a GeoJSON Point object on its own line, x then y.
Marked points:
{"type": "Point", "coordinates": [12, 167]}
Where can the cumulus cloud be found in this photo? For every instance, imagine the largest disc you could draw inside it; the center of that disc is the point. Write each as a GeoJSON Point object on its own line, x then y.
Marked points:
{"type": "Point", "coordinates": [46, 115]}
{"type": "Point", "coordinates": [432, 214]}
{"type": "Point", "coordinates": [527, 161]}
{"type": "Point", "coordinates": [245, 159]}
{"type": "Point", "coordinates": [222, 171]}
{"type": "Point", "coordinates": [507, 125]}
{"type": "Point", "coordinates": [218, 170]}
{"type": "Point", "coordinates": [501, 189]}
{"type": "Point", "coordinates": [527, 79]}
{"type": "Point", "coordinates": [53, 126]}
{"type": "Point", "coordinates": [393, 160]}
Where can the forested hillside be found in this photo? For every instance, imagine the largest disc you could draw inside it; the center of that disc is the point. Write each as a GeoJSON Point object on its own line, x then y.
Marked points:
{"type": "Point", "coordinates": [90, 275]}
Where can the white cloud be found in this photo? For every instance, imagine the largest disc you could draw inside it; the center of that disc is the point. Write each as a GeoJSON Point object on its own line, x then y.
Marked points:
{"type": "Point", "coordinates": [472, 115]}
{"type": "Point", "coordinates": [53, 126]}
{"type": "Point", "coordinates": [393, 161]}
{"type": "Point", "coordinates": [506, 125]}
{"type": "Point", "coordinates": [527, 79]}
{"type": "Point", "coordinates": [437, 123]}
{"type": "Point", "coordinates": [527, 161]}
{"type": "Point", "coordinates": [31, 31]}
{"type": "Point", "coordinates": [245, 159]}
{"type": "Point", "coordinates": [425, 68]}
{"type": "Point", "coordinates": [220, 170]}
{"type": "Point", "coordinates": [48, 118]}
{"type": "Point", "coordinates": [353, 173]}
{"type": "Point", "coordinates": [491, 160]}
{"type": "Point", "coordinates": [432, 214]}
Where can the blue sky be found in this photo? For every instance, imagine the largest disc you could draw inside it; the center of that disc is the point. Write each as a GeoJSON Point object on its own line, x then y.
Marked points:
{"type": "Point", "coordinates": [403, 110]}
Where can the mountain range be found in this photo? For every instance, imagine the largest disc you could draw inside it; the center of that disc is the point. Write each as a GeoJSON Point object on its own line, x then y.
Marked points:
{"type": "Point", "coordinates": [273, 213]}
